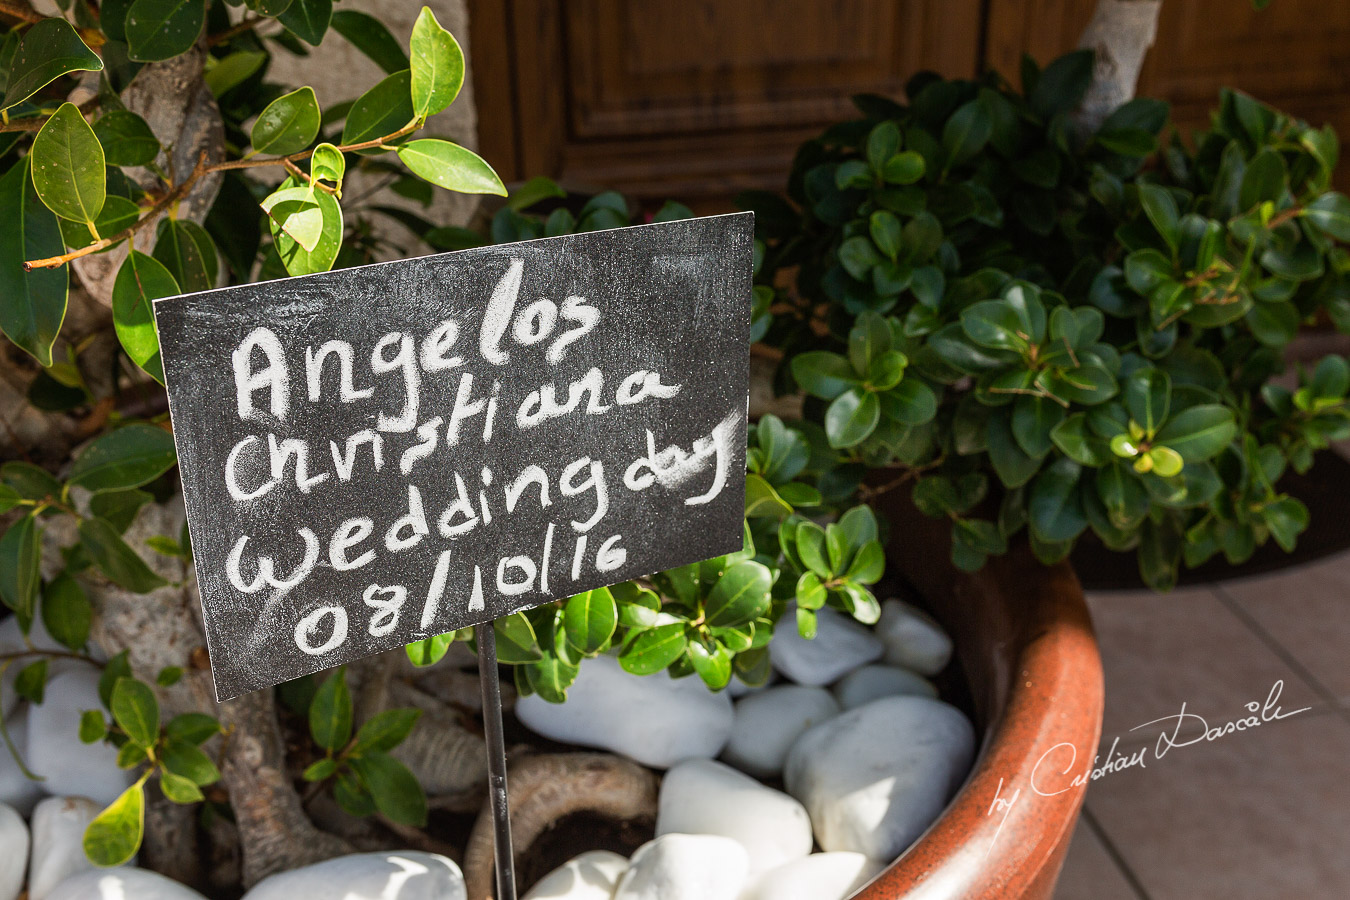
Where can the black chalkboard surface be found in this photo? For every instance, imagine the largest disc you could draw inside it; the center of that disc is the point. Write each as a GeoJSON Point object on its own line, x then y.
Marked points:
{"type": "Point", "coordinates": [374, 455]}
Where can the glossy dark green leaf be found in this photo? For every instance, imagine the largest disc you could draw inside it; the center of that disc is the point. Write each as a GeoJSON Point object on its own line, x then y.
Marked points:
{"type": "Point", "coordinates": [380, 111]}
{"type": "Point", "coordinates": [184, 758]}
{"type": "Point", "coordinates": [126, 139]}
{"type": "Point", "coordinates": [125, 458]}
{"type": "Point", "coordinates": [451, 166]}
{"type": "Point", "coordinates": [911, 402]}
{"type": "Point", "coordinates": [903, 168]}
{"type": "Point", "coordinates": [66, 612]}
{"type": "Point", "coordinates": [115, 559]}
{"type": "Point", "coordinates": [386, 730]}
{"type": "Point", "coordinates": [712, 662]}
{"type": "Point", "coordinates": [823, 374]}
{"type": "Point", "coordinates": [1062, 84]}
{"type": "Point", "coordinates": [48, 50]}
{"type": "Point", "coordinates": [330, 712]}
{"type": "Point", "coordinates": [31, 682]}
{"type": "Point", "coordinates": [852, 417]}
{"type": "Point", "coordinates": [1330, 213]}
{"type": "Point", "coordinates": [114, 836]}
{"type": "Point", "coordinates": [393, 787]}
{"type": "Point", "coordinates": [741, 595]}
{"type": "Point", "coordinates": [369, 35]}
{"type": "Point", "coordinates": [1161, 210]}
{"type": "Point", "coordinates": [654, 649]}
{"type": "Point", "coordinates": [1265, 179]}
{"type": "Point", "coordinates": [966, 132]}
{"type": "Point", "coordinates": [308, 19]}
{"type": "Point", "coordinates": [1147, 395]}
{"type": "Point", "coordinates": [1013, 464]}
{"type": "Point", "coordinates": [1077, 442]}
{"type": "Point", "coordinates": [1033, 418]}
{"type": "Point", "coordinates": [136, 711]}
{"type": "Point", "coordinates": [1054, 510]}
{"type": "Point", "coordinates": [192, 727]}
{"type": "Point", "coordinates": [288, 124]}
{"type": "Point", "coordinates": [1199, 433]}
{"type": "Point", "coordinates": [20, 555]}
{"type": "Point", "coordinates": [162, 29]}
{"type": "Point", "coordinates": [810, 546]}
{"type": "Point", "coordinates": [179, 247]}
{"type": "Point", "coordinates": [858, 255]}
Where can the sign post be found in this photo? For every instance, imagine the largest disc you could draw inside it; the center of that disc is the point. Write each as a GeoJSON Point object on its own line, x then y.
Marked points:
{"type": "Point", "coordinates": [378, 455]}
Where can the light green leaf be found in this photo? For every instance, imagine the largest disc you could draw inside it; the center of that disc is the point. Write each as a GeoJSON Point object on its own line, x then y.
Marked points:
{"type": "Point", "coordinates": [328, 164]}
{"type": "Point", "coordinates": [288, 124]}
{"type": "Point", "coordinates": [298, 260]}
{"type": "Point", "coordinates": [451, 166]}
{"type": "Point", "coordinates": [136, 711]}
{"type": "Point", "coordinates": [223, 75]}
{"type": "Point", "coordinates": [140, 280]}
{"type": "Point", "coordinates": [115, 834]}
{"type": "Point", "coordinates": [429, 651]}
{"type": "Point", "coordinates": [437, 66]}
{"type": "Point", "coordinates": [589, 620]}
{"type": "Point", "coordinates": [125, 458]}
{"type": "Point", "coordinates": [49, 49]}
{"type": "Point", "coordinates": [295, 212]}
{"type": "Point", "coordinates": [179, 789]}
{"type": "Point", "coordinates": [68, 166]}
{"type": "Point", "coordinates": [162, 29]}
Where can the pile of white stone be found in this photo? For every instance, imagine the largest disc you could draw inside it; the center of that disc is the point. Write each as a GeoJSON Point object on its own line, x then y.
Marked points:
{"type": "Point", "coordinates": [868, 764]}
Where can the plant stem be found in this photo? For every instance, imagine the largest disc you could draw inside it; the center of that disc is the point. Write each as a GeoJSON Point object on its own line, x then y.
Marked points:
{"type": "Point", "coordinates": [247, 24]}
{"type": "Point", "coordinates": [51, 654]}
{"type": "Point", "coordinates": [36, 123]}
{"type": "Point", "coordinates": [21, 11]}
{"type": "Point", "coordinates": [201, 169]}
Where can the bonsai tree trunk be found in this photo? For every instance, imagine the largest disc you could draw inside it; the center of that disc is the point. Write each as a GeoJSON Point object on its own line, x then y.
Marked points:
{"type": "Point", "coordinates": [1120, 33]}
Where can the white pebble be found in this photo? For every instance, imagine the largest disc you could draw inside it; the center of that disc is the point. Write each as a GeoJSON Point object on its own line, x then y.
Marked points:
{"type": "Point", "coordinates": [913, 639]}
{"type": "Point", "coordinates": [122, 884]}
{"type": "Point", "coordinates": [767, 724]}
{"type": "Point", "coordinates": [385, 874]}
{"type": "Point", "coordinates": [820, 876]}
{"type": "Point", "coordinates": [874, 682]}
{"type": "Point", "coordinates": [58, 843]}
{"type": "Point", "coordinates": [590, 876]}
{"type": "Point", "coordinates": [840, 646]}
{"type": "Point", "coordinates": [13, 852]}
{"type": "Point", "coordinates": [685, 867]}
{"type": "Point", "coordinates": [71, 767]}
{"type": "Point", "coordinates": [700, 796]}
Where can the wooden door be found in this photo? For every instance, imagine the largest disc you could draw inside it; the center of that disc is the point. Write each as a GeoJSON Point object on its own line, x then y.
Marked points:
{"type": "Point", "coordinates": [692, 100]}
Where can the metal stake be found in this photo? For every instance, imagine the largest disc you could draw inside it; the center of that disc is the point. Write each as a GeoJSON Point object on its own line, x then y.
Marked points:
{"type": "Point", "coordinates": [496, 758]}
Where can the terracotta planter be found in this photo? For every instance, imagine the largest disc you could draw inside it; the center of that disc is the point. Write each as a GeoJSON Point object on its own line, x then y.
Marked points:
{"type": "Point", "coordinates": [1025, 646]}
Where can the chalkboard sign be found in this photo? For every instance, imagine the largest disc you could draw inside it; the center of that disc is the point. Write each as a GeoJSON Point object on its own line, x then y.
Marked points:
{"type": "Point", "coordinates": [379, 454]}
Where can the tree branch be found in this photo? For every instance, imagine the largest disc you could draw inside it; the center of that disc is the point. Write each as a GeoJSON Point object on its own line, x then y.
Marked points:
{"type": "Point", "coordinates": [244, 25]}
{"type": "Point", "coordinates": [35, 123]}
{"type": "Point", "coordinates": [1121, 33]}
{"type": "Point", "coordinates": [21, 11]}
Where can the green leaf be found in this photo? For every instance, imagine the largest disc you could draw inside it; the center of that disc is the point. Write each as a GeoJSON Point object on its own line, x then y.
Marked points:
{"type": "Point", "coordinates": [136, 711]}
{"type": "Point", "coordinates": [885, 231]}
{"type": "Point", "coordinates": [995, 324]}
{"type": "Point", "coordinates": [352, 796]}
{"type": "Point", "coordinates": [741, 595]}
{"type": "Point", "coordinates": [181, 250]}
{"type": "Point", "coordinates": [66, 612]}
{"type": "Point", "coordinates": [1033, 418]}
{"type": "Point", "coordinates": [178, 789]}
{"type": "Point", "coordinates": [1264, 180]}
{"type": "Point", "coordinates": [1286, 518]}
{"type": "Point", "coordinates": [858, 255]}
{"type": "Point", "coordinates": [49, 49]}
{"type": "Point", "coordinates": [308, 19]}
{"type": "Point", "coordinates": [966, 132]}
{"type": "Point", "coordinates": [320, 769]}
{"type": "Point", "coordinates": [369, 35]}
{"type": "Point", "coordinates": [31, 682]}
{"type": "Point", "coordinates": [330, 712]}
{"type": "Point", "coordinates": [393, 787]}
{"type": "Point", "coordinates": [119, 507]}
{"type": "Point", "coordinates": [297, 214]}
{"type": "Point", "coordinates": [429, 651]}
{"type": "Point", "coordinates": [1331, 214]}
{"type": "Point", "coordinates": [194, 728]}
{"type": "Point", "coordinates": [298, 260]}
{"type": "Point", "coordinates": [1147, 396]}
{"type": "Point", "coordinates": [68, 166]}
{"type": "Point", "coordinates": [93, 727]}
{"type": "Point", "coordinates": [1161, 210]}
{"type": "Point", "coordinates": [868, 565]}
{"type": "Point", "coordinates": [852, 417]}
{"type": "Point", "coordinates": [911, 402]}
{"type": "Point", "coordinates": [811, 549]}
{"type": "Point", "coordinates": [869, 337]}
{"type": "Point", "coordinates": [126, 458]}
{"type": "Point", "coordinates": [1062, 84]}
{"type": "Point", "coordinates": [1199, 433]}
{"type": "Point", "coordinates": [1054, 511]}
{"type": "Point", "coordinates": [225, 74]}
{"type": "Point", "coordinates": [162, 29]}
{"type": "Point", "coordinates": [903, 168]}
{"type": "Point", "coordinates": [713, 664]}
{"type": "Point", "coordinates": [116, 668]}
{"type": "Point", "coordinates": [186, 759]}
{"type": "Point", "coordinates": [386, 730]}
{"type": "Point", "coordinates": [380, 111]}
{"type": "Point", "coordinates": [823, 374]}
{"type": "Point", "coordinates": [516, 640]}
{"type": "Point", "coordinates": [125, 138]}
{"type": "Point", "coordinates": [437, 67]}
{"type": "Point", "coordinates": [117, 561]}
{"type": "Point", "coordinates": [451, 166]}
{"type": "Point", "coordinates": [169, 675]}
{"type": "Point", "coordinates": [140, 280]}
{"type": "Point", "coordinates": [883, 142]}
{"type": "Point", "coordinates": [20, 556]}
{"type": "Point", "coordinates": [810, 593]}
{"type": "Point", "coordinates": [654, 649]}
{"type": "Point", "coordinates": [328, 164]}
{"type": "Point", "coordinates": [115, 834]}
{"type": "Point", "coordinates": [1013, 465]}
{"type": "Point", "coordinates": [288, 124]}
{"type": "Point", "coordinates": [589, 620]}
